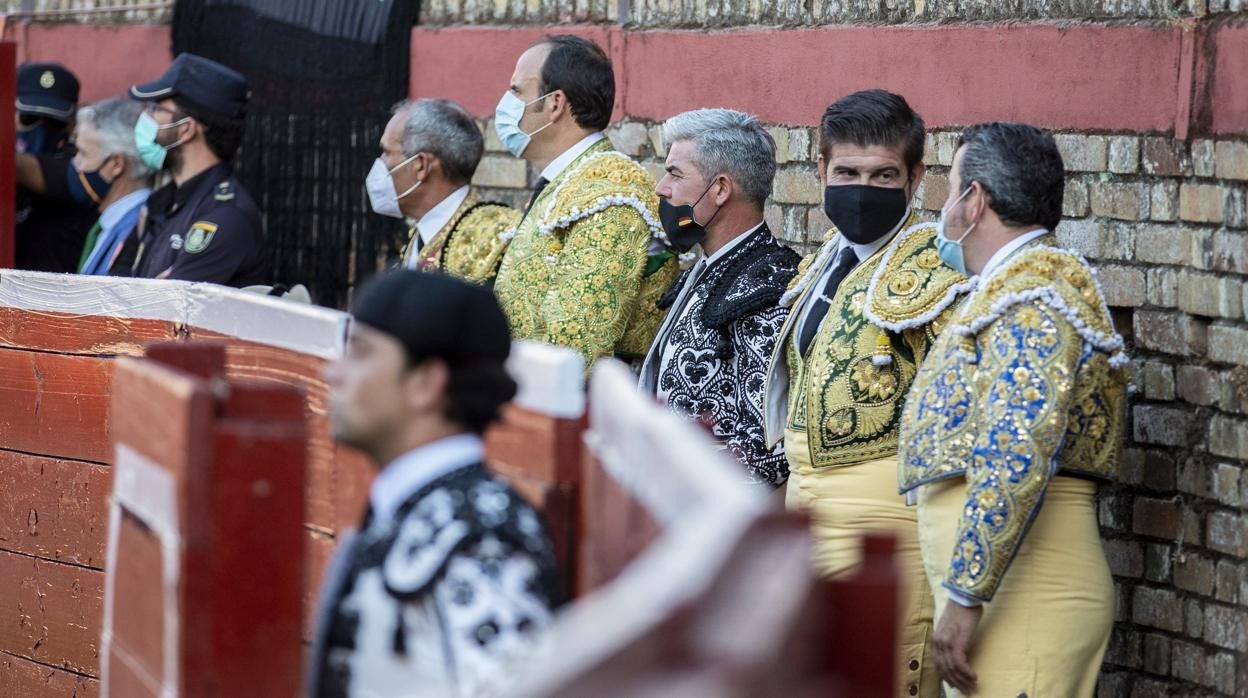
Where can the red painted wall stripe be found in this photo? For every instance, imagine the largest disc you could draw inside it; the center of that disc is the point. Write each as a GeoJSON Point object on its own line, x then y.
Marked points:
{"type": "Point", "coordinates": [1230, 81]}
{"type": "Point", "coordinates": [1087, 77]}
{"type": "Point", "coordinates": [1093, 77]}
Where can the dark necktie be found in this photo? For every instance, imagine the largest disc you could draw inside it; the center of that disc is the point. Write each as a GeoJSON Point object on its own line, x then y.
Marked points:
{"type": "Point", "coordinates": [537, 191]}
{"type": "Point", "coordinates": [845, 261]}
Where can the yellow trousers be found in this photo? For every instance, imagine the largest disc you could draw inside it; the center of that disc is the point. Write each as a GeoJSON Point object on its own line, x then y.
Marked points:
{"type": "Point", "coordinates": [846, 502]}
{"type": "Point", "coordinates": [1046, 629]}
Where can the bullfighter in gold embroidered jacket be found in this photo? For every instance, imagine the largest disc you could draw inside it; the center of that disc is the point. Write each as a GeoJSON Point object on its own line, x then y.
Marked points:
{"type": "Point", "coordinates": [865, 308]}
{"type": "Point", "coordinates": [1016, 413]}
{"type": "Point", "coordinates": [430, 151]}
{"type": "Point", "coordinates": [470, 245]}
{"type": "Point", "coordinates": [589, 261]}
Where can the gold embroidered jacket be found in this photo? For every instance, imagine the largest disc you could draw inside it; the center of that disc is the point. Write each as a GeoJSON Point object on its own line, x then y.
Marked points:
{"type": "Point", "coordinates": [1027, 382]}
{"type": "Point", "coordinates": [470, 245]}
{"type": "Point", "coordinates": [846, 393]}
{"type": "Point", "coordinates": [579, 271]}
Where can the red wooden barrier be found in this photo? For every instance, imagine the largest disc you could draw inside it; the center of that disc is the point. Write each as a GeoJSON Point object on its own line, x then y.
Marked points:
{"type": "Point", "coordinates": [697, 587]}
{"type": "Point", "coordinates": [8, 146]}
{"type": "Point", "coordinates": [208, 490]}
{"type": "Point", "coordinates": [60, 336]}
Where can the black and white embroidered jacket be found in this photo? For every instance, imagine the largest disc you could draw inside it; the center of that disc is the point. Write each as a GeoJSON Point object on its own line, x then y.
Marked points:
{"type": "Point", "coordinates": [709, 359]}
{"type": "Point", "coordinates": [440, 601]}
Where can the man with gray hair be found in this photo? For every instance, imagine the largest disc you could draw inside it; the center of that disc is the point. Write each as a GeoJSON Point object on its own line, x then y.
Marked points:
{"type": "Point", "coordinates": [430, 150]}
{"type": "Point", "coordinates": [107, 171]}
{"type": "Point", "coordinates": [710, 356]}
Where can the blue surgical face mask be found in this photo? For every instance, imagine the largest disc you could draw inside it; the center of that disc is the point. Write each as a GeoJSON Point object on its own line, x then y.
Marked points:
{"type": "Point", "coordinates": [950, 251]}
{"type": "Point", "coordinates": [507, 122]}
{"type": "Point", "coordinates": [146, 129]}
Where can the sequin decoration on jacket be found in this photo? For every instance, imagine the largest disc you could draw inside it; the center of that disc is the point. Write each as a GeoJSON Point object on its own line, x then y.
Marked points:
{"type": "Point", "coordinates": [710, 358]}
{"type": "Point", "coordinates": [1027, 382]}
{"type": "Point", "coordinates": [581, 262]}
{"type": "Point", "coordinates": [470, 245]}
{"type": "Point", "coordinates": [443, 599]}
{"type": "Point", "coordinates": [846, 393]}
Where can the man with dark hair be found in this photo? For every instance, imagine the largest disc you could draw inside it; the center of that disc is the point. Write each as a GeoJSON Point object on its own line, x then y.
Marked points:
{"type": "Point", "coordinates": [589, 259]}
{"type": "Point", "coordinates": [452, 573]}
{"type": "Point", "coordinates": [429, 152]}
{"type": "Point", "coordinates": [1015, 415]}
{"type": "Point", "coordinates": [865, 308]}
{"type": "Point", "coordinates": [203, 226]}
{"type": "Point", "coordinates": [51, 222]}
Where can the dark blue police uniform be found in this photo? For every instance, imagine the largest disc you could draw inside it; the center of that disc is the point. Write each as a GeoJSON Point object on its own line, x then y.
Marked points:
{"type": "Point", "coordinates": [207, 228]}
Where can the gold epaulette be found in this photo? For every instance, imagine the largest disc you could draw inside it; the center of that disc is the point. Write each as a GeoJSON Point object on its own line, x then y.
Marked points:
{"type": "Point", "coordinates": [597, 183]}
{"type": "Point", "coordinates": [476, 245]}
{"type": "Point", "coordinates": [1056, 277]}
{"type": "Point", "coordinates": [912, 286]}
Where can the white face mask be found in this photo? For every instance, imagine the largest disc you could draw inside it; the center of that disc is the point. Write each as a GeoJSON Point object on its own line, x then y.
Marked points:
{"type": "Point", "coordinates": [380, 186]}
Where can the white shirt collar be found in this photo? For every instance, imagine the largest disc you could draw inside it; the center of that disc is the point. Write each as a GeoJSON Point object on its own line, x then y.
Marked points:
{"type": "Point", "coordinates": [1009, 248]}
{"type": "Point", "coordinates": [728, 246]}
{"type": "Point", "coordinates": [864, 252]}
{"type": "Point", "coordinates": [561, 163]}
{"type": "Point", "coordinates": [112, 214]}
{"type": "Point", "coordinates": [437, 217]}
{"type": "Point", "coordinates": [405, 475]}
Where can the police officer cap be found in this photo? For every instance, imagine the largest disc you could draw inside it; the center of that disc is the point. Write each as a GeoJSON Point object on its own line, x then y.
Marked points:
{"type": "Point", "coordinates": [203, 83]}
{"type": "Point", "coordinates": [435, 315]}
{"type": "Point", "coordinates": [47, 89]}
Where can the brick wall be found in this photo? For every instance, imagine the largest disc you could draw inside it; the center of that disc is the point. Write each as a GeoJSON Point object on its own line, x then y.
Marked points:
{"type": "Point", "coordinates": [1164, 221]}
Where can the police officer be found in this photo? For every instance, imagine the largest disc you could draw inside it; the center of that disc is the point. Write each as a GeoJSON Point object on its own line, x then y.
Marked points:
{"type": "Point", "coordinates": [51, 223]}
{"type": "Point", "coordinates": [204, 226]}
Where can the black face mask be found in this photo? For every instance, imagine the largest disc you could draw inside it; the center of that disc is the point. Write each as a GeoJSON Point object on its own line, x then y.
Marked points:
{"type": "Point", "coordinates": [682, 230]}
{"type": "Point", "coordinates": [863, 213]}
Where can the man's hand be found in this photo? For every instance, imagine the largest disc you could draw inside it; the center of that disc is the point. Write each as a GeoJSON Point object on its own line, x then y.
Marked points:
{"type": "Point", "coordinates": [952, 642]}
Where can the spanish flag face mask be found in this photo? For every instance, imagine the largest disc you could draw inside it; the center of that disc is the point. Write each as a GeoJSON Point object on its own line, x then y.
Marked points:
{"type": "Point", "coordinates": [683, 231]}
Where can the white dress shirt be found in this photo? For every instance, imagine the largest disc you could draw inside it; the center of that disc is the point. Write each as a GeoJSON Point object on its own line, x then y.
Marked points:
{"type": "Point", "coordinates": [561, 163]}
{"type": "Point", "coordinates": [435, 219]}
{"type": "Point", "coordinates": [405, 475]}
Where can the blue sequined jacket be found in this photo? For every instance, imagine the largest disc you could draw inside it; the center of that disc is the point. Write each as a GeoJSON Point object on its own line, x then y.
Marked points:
{"type": "Point", "coordinates": [1028, 382]}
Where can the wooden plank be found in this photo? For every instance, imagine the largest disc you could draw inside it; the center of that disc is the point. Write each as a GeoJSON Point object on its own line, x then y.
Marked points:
{"type": "Point", "coordinates": [138, 646]}
{"type": "Point", "coordinates": [535, 445]}
{"type": "Point", "coordinates": [22, 677]}
{"type": "Point", "coordinates": [261, 362]}
{"type": "Point", "coordinates": [52, 612]}
{"type": "Point", "coordinates": [318, 550]}
{"type": "Point", "coordinates": [70, 333]}
{"type": "Point", "coordinates": [54, 509]}
{"type": "Point", "coordinates": [353, 474]}
{"type": "Point", "coordinates": [55, 405]}
{"type": "Point", "coordinates": [252, 613]}
{"type": "Point", "coordinates": [614, 527]}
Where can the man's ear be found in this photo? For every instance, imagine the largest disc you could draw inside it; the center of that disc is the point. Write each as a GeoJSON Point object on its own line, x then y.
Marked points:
{"type": "Point", "coordinates": [556, 105]}
{"type": "Point", "coordinates": [116, 166]}
{"type": "Point", "coordinates": [725, 189]}
{"type": "Point", "coordinates": [424, 385]}
{"type": "Point", "coordinates": [823, 170]}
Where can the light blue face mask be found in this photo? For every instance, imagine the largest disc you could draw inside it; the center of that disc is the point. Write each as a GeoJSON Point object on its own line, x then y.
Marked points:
{"type": "Point", "coordinates": [507, 117]}
{"type": "Point", "coordinates": [145, 131]}
{"type": "Point", "coordinates": [950, 251]}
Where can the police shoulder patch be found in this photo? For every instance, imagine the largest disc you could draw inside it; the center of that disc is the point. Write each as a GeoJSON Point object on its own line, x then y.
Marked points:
{"type": "Point", "coordinates": [224, 192]}
{"type": "Point", "coordinates": [199, 236]}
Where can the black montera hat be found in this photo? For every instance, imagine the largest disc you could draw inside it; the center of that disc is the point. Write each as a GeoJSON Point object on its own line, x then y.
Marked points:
{"type": "Point", "coordinates": [436, 316]}
{"type": "Point", "coordinates": [204, 83]}
{"type": "Point", "coordinates": [47, 89]}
